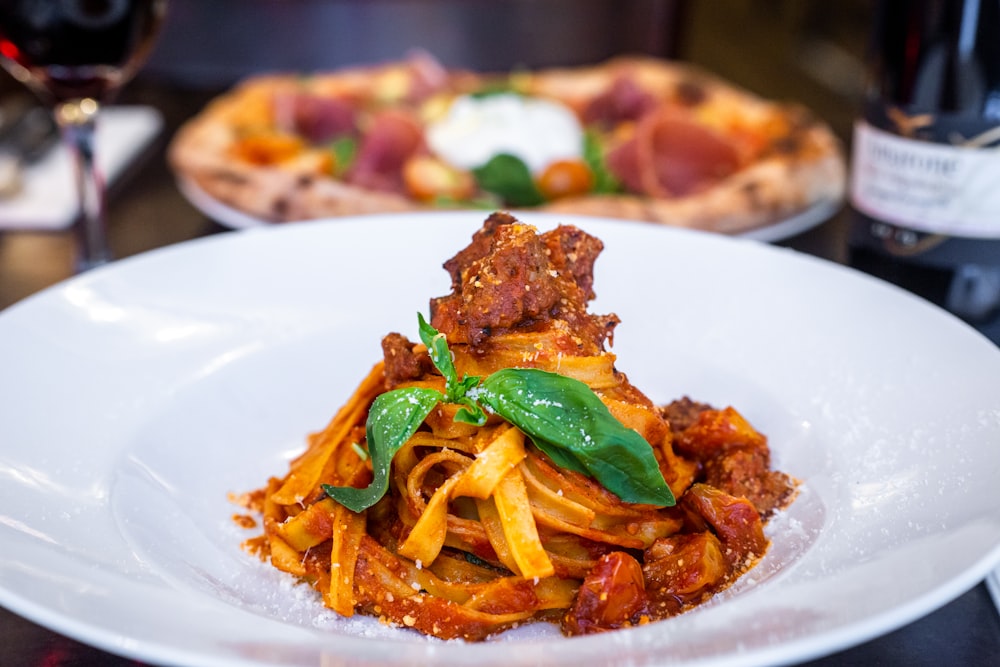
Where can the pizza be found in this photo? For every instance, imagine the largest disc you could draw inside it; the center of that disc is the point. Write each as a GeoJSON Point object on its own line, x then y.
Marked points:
{"type": "Point", "coordinates": [633, 137]}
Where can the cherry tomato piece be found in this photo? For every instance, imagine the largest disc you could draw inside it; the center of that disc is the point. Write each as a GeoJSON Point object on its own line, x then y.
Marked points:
{"type": "Point", "coordinates": [565, 178]}
{"type": "Point", "coordinates": [428, 179]}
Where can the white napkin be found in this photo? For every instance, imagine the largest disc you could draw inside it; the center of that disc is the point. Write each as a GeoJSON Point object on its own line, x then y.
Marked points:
{"type": "Point", "coordinates": [47, 200]}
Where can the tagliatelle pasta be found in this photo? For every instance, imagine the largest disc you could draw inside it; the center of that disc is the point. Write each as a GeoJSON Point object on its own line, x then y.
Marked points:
{"type": "Point", "coordinates": [504, 471]}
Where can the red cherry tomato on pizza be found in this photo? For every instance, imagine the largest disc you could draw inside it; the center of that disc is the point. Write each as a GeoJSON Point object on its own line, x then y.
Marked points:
{"type": "Point", "coordinates": [565, 178]}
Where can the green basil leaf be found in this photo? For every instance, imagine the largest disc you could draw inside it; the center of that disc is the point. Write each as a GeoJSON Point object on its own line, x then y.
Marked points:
{"type": "Point", "coordinates": [455, 389]}
{"type": "Point", "coordinates": [593, 154]}
{"type": "Point", "coordinates": [392, 419]}
{"type": "Point", "coordinates": [509, 177]}
{"type": "Point", "coordinates": [487, 202]}
{"type": "Point", "coordinates": [468, 382]}
{"type": "Point", "coordinates": [504, 87]}
{"type": "Point", "coordinates": [344, 150]}
{"type": "Point", "coordinates": [437, 348]}
{"type": "Point", "coordinates": [568, 421]}
{"type": "Point", "coordinates": [470, 413]}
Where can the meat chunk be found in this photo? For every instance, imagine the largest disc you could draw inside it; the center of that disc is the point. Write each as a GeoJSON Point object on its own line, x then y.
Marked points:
{"type": "Point", "coordinates": [512, 278]}
{"type": "Point", "coordinates": [745, 472]}
{"type": "Point", "coordinates": [683, 412]}
{"type": "Point", "coordinates": [734, 456]}
{"type": "Point", "coordinates": [480, 246]}
{"type": "Point", "coordinates": [402, 362]}
{"type": "Point", "coordinates": [573, 252]}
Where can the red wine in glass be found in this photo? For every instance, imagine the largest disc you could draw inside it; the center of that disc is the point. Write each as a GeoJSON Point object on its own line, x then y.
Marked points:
{"type": "Point", "coordinates": [76, 55]}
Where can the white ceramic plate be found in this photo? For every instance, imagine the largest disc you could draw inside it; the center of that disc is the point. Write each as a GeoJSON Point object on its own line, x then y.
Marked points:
{"type": "Point", "coordinates": [227, 216]}
{"type": "Point", "coordinates": [138, 395]}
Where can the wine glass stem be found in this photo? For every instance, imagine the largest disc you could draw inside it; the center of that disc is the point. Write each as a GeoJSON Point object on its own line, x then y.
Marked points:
{"type": "Point", "coordinates": [77, 120]}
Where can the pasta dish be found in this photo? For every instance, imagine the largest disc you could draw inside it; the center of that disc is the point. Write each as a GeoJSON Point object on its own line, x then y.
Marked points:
{"type": "Point", "coordinates": [503, 470]}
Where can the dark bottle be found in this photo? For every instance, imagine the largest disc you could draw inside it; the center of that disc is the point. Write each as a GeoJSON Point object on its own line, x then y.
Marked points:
{"type": "Point", "coordinates": [925, 186]}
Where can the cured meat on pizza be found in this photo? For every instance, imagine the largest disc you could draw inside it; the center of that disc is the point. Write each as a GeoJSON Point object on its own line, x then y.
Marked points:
{"type": "Point", "coordinates": [634, 137]}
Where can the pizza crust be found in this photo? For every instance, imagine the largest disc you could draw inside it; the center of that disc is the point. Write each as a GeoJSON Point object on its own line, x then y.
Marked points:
{"type": "Point", "coordinates": [809, 169]}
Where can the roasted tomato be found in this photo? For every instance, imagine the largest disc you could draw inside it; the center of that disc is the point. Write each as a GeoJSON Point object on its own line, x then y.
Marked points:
{"type": "Point", "coordinates": [681, 570]}
{"type": "Point", "coordinates": [714, 431]}
{"type": "Point", "coordinates": [612, 596]}
{"type": "Point", "coordinates": [735, 520]}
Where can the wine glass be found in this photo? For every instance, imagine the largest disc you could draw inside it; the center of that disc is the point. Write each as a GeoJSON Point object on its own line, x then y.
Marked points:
{"type": "Point", "coordinates": [75, 55]}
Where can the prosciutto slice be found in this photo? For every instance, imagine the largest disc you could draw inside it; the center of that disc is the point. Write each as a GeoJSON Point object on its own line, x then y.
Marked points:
{"type": "Point", "coordinates": [317, 118]}
{"type": "Point", "coordinates": [671, 156]}
{"type": "Point", "coordinates": [624, 100]}
{"type": "Point", "coordinates": [394, 136]}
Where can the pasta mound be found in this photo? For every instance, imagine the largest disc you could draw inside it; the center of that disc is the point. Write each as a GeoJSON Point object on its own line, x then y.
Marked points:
{"type": "Point", "coordinates": [480, 530]}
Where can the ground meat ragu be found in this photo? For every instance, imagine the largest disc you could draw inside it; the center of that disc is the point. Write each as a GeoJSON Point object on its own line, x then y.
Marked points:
{"type": "Point", "coordinates": [402, 361]}
{"type": "Point", "coordinates": [733, 456]}
{"type": "Point", "coordinates": [510, 278]}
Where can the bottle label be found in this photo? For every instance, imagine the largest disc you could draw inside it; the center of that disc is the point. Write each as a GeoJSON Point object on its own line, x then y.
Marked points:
{"type": "Point", "coordinates": [931, 187]}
